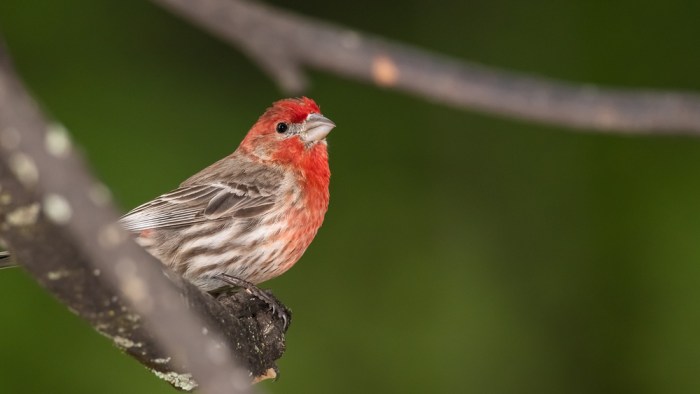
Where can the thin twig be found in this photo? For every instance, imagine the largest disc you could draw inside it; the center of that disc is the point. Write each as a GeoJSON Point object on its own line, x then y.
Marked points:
{"type": "Point", "coordinates": [59, 222]}
{"type": "Point", "coordinates": [283, 43]}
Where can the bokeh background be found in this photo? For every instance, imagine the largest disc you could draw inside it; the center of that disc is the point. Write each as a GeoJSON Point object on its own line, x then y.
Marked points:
{"type": "Point", "coordinates": [461, 253]}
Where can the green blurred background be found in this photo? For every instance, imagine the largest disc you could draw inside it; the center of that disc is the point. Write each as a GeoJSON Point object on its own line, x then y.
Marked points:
{"type": "Point", "coordinates": [461, 252]}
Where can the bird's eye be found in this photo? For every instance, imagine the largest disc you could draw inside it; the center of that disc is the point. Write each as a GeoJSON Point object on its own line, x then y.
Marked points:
{"type": "Point", "coordinates": [281, 127]}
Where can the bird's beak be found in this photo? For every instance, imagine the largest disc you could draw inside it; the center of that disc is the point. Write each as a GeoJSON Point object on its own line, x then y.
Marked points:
{"type": "Point", "coordinates": [317, 128]}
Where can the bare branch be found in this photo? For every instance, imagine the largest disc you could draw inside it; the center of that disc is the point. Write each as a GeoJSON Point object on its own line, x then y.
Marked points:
{"type": "Point", "coordinates": [282, 43]}
{"type": "Point", "coordinates": [60, 224]}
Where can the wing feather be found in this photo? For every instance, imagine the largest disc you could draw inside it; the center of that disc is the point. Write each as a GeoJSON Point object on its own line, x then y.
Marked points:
{"type": "Point", "coordinates": [192, 204]}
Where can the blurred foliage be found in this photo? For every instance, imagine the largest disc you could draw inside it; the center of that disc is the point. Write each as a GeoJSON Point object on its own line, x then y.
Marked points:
{"type": "Point", "coordinates": [461, 252]}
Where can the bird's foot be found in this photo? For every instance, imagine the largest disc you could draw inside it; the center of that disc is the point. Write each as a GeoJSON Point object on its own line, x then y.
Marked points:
{"type": "Point", "coordinates": [277, 308]}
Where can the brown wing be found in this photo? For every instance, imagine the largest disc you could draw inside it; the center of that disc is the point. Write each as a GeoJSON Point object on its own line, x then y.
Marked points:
{"type": "Point", "coordinates": [197, 203]}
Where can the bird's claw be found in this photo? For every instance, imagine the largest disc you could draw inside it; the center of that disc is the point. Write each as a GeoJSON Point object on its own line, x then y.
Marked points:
{"type": "Point", "coordinates": [277, 307]}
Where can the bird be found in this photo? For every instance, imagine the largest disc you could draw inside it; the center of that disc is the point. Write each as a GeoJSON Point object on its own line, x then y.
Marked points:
{"type": "Point", "coordinates": [250, 216]}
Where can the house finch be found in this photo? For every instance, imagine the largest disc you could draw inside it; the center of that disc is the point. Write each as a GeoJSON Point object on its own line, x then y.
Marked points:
{"type": "Point", "coordinates": [250, 216]}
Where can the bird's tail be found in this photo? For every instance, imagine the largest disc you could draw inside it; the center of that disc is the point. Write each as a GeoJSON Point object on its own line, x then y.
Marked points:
{"type": "Point", "coordinates": [5, 260]}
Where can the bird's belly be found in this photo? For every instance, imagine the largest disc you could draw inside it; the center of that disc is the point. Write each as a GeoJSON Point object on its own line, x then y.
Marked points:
{"type": "Point", "coordinates": [253, 250]}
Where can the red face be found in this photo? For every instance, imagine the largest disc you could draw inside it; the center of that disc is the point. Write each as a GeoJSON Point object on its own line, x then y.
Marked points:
{"type": "Point", "coordinates": [287, 130]}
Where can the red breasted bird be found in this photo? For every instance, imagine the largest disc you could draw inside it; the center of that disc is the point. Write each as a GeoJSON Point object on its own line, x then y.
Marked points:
{"type": "Point", "coordinates": [251, 215]}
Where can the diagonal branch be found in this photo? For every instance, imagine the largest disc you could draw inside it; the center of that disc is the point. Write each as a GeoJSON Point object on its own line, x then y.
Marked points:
{"type": "Point", "coordinates": [282, 43]}
{"type": "Point", "coordinates": [60, 224]}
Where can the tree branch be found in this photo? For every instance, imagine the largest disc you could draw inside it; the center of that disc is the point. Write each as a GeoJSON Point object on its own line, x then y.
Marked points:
{"type": "Point", "coordinates": [282, 43]}
{"type": "Point", "coordinates": [61, 226]}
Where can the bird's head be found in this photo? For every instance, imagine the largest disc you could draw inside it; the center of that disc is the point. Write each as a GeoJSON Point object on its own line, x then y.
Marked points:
{"type": "Point", "coordinates": [289, 131]}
